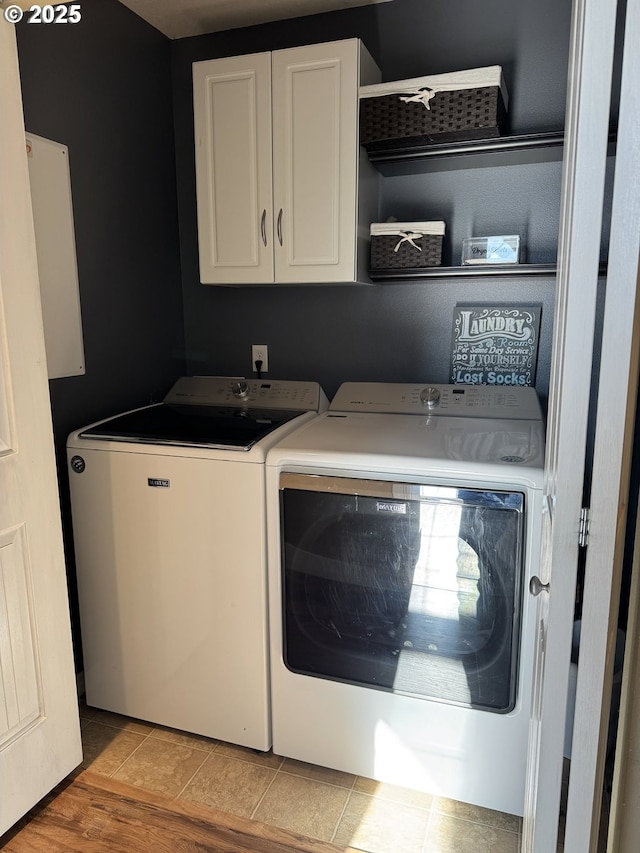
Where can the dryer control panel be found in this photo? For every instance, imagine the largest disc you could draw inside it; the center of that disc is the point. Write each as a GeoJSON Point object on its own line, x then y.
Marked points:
{"type": "Point", "coordinates": [471, 401]}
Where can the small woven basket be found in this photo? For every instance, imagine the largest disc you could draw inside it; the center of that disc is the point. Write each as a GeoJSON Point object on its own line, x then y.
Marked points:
{"type": "Point", "coordinates": [393, 251]}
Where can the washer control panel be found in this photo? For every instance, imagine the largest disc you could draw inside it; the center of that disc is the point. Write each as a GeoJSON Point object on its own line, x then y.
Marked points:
{"type": "Point", "coordinates": [238, 391]}
{"type": "Point", "coordinates": [471, 401]}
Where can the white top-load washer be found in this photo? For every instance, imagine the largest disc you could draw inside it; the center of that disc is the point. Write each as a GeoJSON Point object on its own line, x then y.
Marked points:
{"type": "Point", "coordinates": [404, 526]}
{"type": "Point", "coordinates": [168, 509]}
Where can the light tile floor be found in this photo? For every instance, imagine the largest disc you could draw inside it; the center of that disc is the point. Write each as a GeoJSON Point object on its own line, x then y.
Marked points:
{"type": "Point", "coordinates": [315, 801]}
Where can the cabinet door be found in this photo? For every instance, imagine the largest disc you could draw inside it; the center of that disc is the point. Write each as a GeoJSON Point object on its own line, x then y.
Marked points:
{"type": "Point", "coordinates": [315, 144]}
{"type": "Point", "coordinates": [232, 116]}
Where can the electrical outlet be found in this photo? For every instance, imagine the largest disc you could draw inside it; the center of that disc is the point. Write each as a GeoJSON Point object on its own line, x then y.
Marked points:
{"type": "Point", "coordinates": [260, 352]}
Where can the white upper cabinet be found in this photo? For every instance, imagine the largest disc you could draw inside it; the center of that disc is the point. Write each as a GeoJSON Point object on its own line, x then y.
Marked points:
{"type": "Point", "coordinates": [305, 219]}
{"type": "Point", "coordinates": [232, 112]}
{"type": "Point", "coordinates": [315, 166]}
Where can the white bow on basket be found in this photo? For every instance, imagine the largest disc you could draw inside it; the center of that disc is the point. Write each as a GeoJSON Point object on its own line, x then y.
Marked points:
{"type": "Point", "coordinates": [409, 237]}
{"type": "Point", "coordinates": [422, 96]}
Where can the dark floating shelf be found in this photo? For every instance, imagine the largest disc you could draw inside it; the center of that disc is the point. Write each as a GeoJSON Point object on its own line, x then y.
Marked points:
{"type": "Point", "coordinates": [543, 147]}
{"type": "Point", "coordinates": [489, 270]}
{"type": "Point", "coordinates": [498, 145]}
{"type": "Point", "coordinates": [472, 271]}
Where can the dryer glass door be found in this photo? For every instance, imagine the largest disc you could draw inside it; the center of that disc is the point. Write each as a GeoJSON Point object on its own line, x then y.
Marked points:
{"type": "Point", "coordinates": [409, 588]}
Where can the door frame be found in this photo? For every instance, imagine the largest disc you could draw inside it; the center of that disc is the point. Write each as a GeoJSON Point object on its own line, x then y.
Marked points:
{"type": "Point", "coordinates": [613, 447]}
{"type": "Point", "coordinates": [590, 75]}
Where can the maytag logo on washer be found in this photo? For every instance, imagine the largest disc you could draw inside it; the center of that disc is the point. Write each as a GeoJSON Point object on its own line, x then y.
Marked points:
{"type": "Point", "coordinates": [158, 483]}
{"type": "Point", "coordinates": [388, 506]}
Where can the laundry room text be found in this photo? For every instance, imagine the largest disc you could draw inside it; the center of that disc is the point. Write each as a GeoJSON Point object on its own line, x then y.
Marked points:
{"type": "Point", "coordinates": [495, 345]}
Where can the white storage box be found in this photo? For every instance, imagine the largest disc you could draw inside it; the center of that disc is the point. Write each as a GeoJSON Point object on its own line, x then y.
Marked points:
{"type": "Point", "coordinates": [501, 249]}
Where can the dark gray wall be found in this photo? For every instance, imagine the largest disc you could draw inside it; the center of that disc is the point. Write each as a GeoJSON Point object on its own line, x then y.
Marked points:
{"type": "Point", "coordinates": [395, 332]}
{"type": "Point", "coordinates": [103, 88]}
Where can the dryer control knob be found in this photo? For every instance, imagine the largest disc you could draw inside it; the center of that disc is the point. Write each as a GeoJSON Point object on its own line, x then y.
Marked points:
{"type": "Point", "coordinates": [430, 397]}
{"type": "Point", "coordinates": [240, 389]}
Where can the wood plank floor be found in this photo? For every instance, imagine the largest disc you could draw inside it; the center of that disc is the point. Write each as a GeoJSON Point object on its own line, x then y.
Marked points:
{"type": "Point", "coordinates": [90, 813]}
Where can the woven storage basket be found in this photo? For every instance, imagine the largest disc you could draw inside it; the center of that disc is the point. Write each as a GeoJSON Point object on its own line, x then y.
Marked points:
{"type": "Point", "coordinates": [446, 114]}
{"type": "Point", "coordinates": [406, 245]}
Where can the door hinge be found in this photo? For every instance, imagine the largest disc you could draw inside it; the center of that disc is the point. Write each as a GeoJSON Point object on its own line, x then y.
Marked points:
{"type": "Point", "coordinates": [583, 531]}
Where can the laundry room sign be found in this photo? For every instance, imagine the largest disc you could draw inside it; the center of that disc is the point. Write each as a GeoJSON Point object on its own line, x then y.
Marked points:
{"type": "Point", "coordinates": [495, 345]}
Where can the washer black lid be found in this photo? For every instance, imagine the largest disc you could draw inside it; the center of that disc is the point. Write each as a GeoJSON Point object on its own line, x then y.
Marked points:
{"type": "Point", "coordinates": [219, 427]}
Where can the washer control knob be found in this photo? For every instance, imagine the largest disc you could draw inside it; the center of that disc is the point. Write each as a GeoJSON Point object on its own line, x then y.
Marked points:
{"type": "Point", "coordinates": [240, 389]}
{"type": "Point", "coordinates": [430, 397]}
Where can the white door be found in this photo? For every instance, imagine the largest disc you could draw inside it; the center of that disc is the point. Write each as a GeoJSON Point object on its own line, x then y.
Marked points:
{"type": "Point", "coordinates": [39, 726]}
{"type": "Point", "coordinates": [590, 70]}
{"type": "Point", "coordinates": [315, 168]}
{"type": "Point", "coordinates": [232, 123]}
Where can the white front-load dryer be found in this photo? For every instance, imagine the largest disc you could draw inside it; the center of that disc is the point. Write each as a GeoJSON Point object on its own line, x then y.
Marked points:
{"type": "Point", "coordinates": [404, 526]}
{"type": "Point", "coordinates": [169, 525]}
